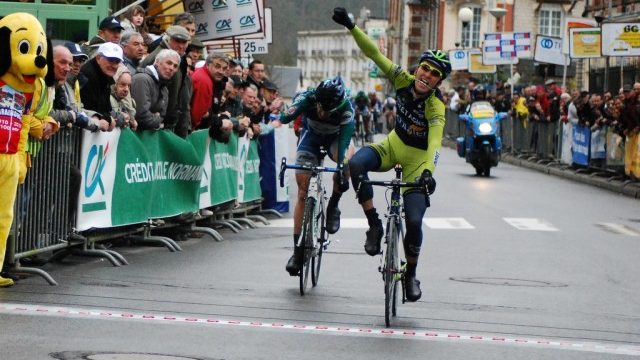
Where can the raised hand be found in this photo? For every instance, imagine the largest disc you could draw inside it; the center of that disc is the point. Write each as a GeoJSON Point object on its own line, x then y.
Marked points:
{"type": "Point", "coordinates": [341, 16]}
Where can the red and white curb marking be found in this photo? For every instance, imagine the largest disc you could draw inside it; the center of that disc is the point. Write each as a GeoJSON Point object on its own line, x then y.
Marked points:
{"type": "Point", "coordinates": [608, 348]}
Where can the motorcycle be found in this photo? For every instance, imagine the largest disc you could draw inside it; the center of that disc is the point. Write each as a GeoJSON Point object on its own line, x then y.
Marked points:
{"type": "Point", "coordinates": [481, 145]}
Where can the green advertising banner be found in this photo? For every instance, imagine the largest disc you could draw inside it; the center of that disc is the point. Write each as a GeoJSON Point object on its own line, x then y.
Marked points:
{"type": "Point", "coordinates": [131, 177]}
{"type": "Point", "coordinates": [251, 177]}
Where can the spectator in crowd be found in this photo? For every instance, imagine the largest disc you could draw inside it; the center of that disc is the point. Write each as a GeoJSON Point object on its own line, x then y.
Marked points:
{"type": "Point", "coordinates": [256, 75]}
{"type": "Point", "coordinates": [630, 116]}
{"type": "Point", "coordinates": [536, 115]}
{"type": "Point", "coordinates": [184, 20]}
{"type": "Point", "coordinates": [209, 82]}
{"type": "Point", "coordinates": [236, 68]}
{"type": "Point", "coordinates": [99, 72]}
{"type": "Point", "coordinates": [123, 105]}
{"type": "Point", "coordinates": [67, 110]}
{"type": "Point", "coordinates": [194, 50]}
{"type": "Point", "coordinates": [149, 89]}
{"type": "Point", "coordinates": [133, 20]}
{"type": "Point", "coordinates": [501, 103]}
{"type": "Point", "coordinates": [74, 79]}
{"type": "Point", "coordinates": [177, 117]}
{"type": "Point", "coordinates": [110, 30]}
{"type": "Point", "coordinates": [133, 49]}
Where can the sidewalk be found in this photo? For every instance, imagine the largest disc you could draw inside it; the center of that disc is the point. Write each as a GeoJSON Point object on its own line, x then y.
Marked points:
{"type": "Point", "coordinates": [604, 180]}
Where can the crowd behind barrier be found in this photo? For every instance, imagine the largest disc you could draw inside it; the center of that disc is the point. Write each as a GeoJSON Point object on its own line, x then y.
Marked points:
{"type": "Point", "coordinates": [134, 185]}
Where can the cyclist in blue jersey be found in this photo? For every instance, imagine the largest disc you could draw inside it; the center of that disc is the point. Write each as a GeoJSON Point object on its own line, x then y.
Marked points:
{"type": "Point", "coordinates": [327, 117]}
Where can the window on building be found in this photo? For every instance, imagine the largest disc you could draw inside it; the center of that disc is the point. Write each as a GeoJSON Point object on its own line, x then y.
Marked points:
{"type": "Point", "coordinates": [550, 21]}
{"type": "Point", "coordinates": [471, 32]}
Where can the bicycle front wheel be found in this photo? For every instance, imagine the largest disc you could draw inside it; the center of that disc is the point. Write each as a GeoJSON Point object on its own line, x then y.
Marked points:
{"type": "Point", "coordinates": [390, 269]}
{"type": "Point", "coordinates": [321, 237]}
{"type": "Point", "coordinates": [308, 225]}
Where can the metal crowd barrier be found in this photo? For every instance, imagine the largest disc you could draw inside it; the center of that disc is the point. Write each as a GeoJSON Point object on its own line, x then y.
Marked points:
{"type": "Point", "coordinates": [42, 222]}
{"type": "Point", "coordinates": [542, 142]}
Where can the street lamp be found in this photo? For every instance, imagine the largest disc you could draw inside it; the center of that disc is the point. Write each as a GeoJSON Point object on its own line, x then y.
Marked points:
{"type": "Point", "coordinates": [465, 15]}
{"type": "Point", "coordinates": [498, 13]}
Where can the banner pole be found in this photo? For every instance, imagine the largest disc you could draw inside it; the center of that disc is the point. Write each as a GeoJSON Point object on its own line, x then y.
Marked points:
{"type": "Point", "coordinates": [564, 74]}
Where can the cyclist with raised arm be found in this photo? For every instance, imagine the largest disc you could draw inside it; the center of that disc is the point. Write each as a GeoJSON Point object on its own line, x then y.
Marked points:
{"type": "Point", "coordinates": [327, 117]}
{"type": "Point", "coordinates": [414, 143]}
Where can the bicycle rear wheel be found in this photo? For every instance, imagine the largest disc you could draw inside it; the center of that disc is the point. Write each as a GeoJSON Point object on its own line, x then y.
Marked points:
{"type": "Point", "coordinates": [308, 224]}
{"type": "Point", "coordinates": [390, 269]}
{"type": "Point", "coordinates": [321, 237]}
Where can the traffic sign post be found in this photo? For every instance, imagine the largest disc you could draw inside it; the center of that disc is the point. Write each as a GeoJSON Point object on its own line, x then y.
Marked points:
{"type": "Point", "coordinates": [253, 46]}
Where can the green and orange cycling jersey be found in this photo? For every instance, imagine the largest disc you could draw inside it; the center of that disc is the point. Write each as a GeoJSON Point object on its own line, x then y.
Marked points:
{"type": "Point", "coordinates": [419, 122]}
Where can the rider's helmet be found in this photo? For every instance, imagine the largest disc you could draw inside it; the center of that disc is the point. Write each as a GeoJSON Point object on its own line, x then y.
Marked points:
{"type": "Point", "coordinates": [438, 58]}
{"type": "Point", "coordinates": [331, 93]}
{"type": "Point", "coordinates": [479, 93]}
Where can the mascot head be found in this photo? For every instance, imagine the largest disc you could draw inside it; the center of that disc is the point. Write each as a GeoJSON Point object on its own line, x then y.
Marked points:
{"type": "Point", "coordinates": [23, 46]}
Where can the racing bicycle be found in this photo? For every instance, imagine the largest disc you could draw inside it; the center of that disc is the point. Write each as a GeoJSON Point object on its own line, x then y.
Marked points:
{"type": "Point", "coordinates": [391, 267]}
{"type": "Point", "coordinates": [314, 237]}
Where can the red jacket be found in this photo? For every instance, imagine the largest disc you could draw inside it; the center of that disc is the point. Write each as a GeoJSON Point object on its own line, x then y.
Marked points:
{"type": "Point", "coordinates": [202, 97]}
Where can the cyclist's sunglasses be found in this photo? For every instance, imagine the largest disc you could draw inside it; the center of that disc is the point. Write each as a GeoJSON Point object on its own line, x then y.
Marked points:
{"type": "Point", "coordinates": [426, 67]}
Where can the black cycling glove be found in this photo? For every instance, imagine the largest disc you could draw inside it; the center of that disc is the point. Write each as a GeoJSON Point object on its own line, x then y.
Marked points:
{"type": "Point", "coordinates": [428, 181]}
{"type": "Point", "coordinates": [341, 16]}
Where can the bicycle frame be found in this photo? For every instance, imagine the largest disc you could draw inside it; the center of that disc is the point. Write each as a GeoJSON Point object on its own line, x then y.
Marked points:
{"type": "Point", "coordinates": [312, 221]}
{"type": "Point", "coordinates": [391, 267]}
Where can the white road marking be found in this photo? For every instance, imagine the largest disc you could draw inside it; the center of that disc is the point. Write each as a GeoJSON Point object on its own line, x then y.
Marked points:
{"type": "Point", "coordinates": [530, 224]}
{"type": "Point", "coordinates": [345, 223]}
{"type": "Point", "coordinates": [406, 334]}
{"type": "Point", "coordinates": [618, 229]}
{"type": "Point", "coordinates": [447, 223]}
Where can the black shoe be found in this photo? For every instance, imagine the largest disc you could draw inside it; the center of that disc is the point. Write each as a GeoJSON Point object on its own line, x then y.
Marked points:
{"type": "Point", "coordinates": [295, 262]}
{"type": "Point", "coordinates": [374, 236]}
{"type": "Point", "coordinates": [333, 220]}
{"type": "Point", "coordinates": [412, 288]}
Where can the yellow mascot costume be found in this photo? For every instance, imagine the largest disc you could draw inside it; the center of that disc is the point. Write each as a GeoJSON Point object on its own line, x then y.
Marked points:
{"type": "Point", "coordinates": [23, 47]}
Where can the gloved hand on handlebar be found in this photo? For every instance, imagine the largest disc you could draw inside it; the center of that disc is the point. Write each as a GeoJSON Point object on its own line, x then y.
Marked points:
{"type": "Point", "coordinates": [341, 16]}
{"type": "Point", "coordinates": [427, 179]}
{"type": "Point", "coordinates": [343, 179]}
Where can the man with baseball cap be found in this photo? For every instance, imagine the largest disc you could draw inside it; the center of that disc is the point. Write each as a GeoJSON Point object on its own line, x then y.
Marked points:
{"type": "Point", "coordinates": [73, 78]}
{"type": "Point", "coordinates": [109, 31]}
{"type": "Point", "coordinates": [177, 118]}
{"type": "Point", "coordinates": [99, 71]}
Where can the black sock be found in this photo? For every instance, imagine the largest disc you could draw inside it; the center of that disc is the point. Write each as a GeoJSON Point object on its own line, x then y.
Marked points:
{"type": "Point", "coordinates": [372, 217]}
{"type": "Point", "coordinates": [333, 200]}
{"type": "Point", "coordinates": [411, 270]}
{"type": "Point", "coordinates": [295, 239]}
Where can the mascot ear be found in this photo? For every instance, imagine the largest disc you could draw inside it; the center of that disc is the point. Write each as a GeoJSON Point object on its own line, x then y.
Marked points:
{"type": "Point", "coordinates": [5, 44]}
{"type": "Point", "coordinates": [50, 78]}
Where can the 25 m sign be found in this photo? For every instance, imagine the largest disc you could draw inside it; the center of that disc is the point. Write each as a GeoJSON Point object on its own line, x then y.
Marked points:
{"type": "Point", "coordinates": [253, 46]}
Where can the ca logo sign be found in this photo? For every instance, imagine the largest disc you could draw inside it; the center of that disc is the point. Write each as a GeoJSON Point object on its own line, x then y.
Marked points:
{"type": "Point", "coordinates": [202, 28]}
{"type": "Point", "coordinates": [247, 20]}
{"type": "Point", "coordinates": [196, 6]}
{"type": "Point", "coordinates": [223, 25]}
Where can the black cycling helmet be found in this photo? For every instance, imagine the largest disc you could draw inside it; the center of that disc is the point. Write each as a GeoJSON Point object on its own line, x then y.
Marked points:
{"type": "Point", "coordinates": [438, 58]}
{"type": "Point", "coordinates": [330, 93]}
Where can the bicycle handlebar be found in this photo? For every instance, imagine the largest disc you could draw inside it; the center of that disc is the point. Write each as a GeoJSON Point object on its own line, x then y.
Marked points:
{"type": "Point", "coordinates": [314, 169]}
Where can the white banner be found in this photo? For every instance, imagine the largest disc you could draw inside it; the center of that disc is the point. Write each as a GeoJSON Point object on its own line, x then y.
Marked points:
{"type": "Point", "coordinates": [281, 135]}
{"type": "Point", "coordinates": [621, 39]}
{"type": "Point", "coordinates": [254, 46]}
{"type": "Point", "coordinates": [218, 19]}
{"type": "Point", "coordinates": [205, 181]}
{"type": "Point", "coordinates": [499, 49]}
{"type": "Point", "coordinates": [459, 59]}
{"type": "Point", "coordinates": [98, 164]}
{"type": "Point", "coordinates": [573, 23]}
{"type": "Point", "coordinates": [549, 50]}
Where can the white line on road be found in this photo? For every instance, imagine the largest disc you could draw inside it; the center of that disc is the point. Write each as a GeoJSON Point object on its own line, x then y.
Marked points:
{"type": "Point", "coordinates": [618, 229]}
{"type": "Point", "coordinates": [408, 334]}
{"type": "Point", "coordinates": [530, 224]}
{"type": "Point", "coordinates": [447, 223]}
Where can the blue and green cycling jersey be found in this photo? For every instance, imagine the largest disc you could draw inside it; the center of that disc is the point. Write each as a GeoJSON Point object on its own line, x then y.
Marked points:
{"type": "Point", "coordinates": [339, 121]}
{"type": "Point", "coordinates": [420, 121]}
